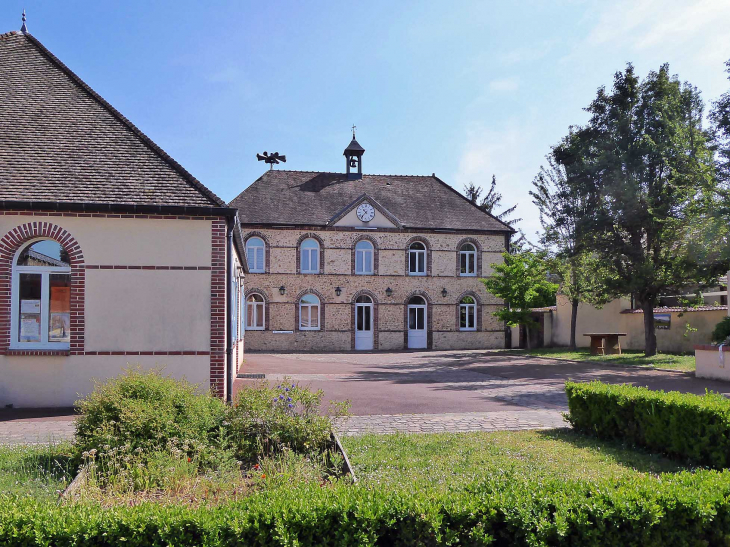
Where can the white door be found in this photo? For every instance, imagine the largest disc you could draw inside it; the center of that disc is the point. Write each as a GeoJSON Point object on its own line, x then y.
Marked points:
{"type": "Point", "coordinates": [416, 326]}
{"type": "Point", "coordinates": [364, 324]}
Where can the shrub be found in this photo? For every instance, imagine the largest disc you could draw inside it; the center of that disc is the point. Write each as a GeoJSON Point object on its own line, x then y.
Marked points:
{"type": "Point", "coordinates": [684, 509]}
{"type": "Point", "coordinates": [722, 330]}
{"type": "Point", "coordinates": [265, 419]}
{"type": "Point", "coordinates": [144, 411]}
{"type": "Point", "coordinates": [692, 427]}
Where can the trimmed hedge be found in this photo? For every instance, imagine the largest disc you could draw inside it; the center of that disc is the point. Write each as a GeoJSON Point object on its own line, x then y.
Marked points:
{"type": "Point", "coordinates": [682, 509]}
{"type": "Point", "coordinates": [691, 427]}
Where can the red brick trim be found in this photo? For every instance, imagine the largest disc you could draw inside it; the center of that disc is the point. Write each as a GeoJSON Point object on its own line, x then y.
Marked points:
{"type": "Point", "coordinates": [478, 248]}
{"type": "Point", "coordinates": [310, 235]}
{"type": "Point", "coordinates": [267, 248]}
{"type": "Point", "coordinates": [376, 253]}
{"type": "Point", "coordinates": [36, 352]}
{"type": "Point", "coordinates": [9, 245]}
{"type": "Point", "coordinates": [321, 310]}
{"type": "Point", "coordinates": [477, 310]}
{"type": "Point", "coordinates": [371, 294]}
{"type": "Point", "coordinates": [263, 295]}
{"type": "Point", "coordinates": [429, 318]}
{"type": "Point", "coordinates": [426, 243]}
{"type": "Point", "coordinates": [218, 308]}
{"type": "Point", "coordinates": [28, 212]}
{"type": "Point", "coordinates": [117, 267]}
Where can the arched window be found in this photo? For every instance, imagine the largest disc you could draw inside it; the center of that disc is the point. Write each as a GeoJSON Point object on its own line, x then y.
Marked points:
{"type": "Point", "coordinates": [309, 250]}
{"type": "Point", "coordinates": [467, 260]}
{"type": "Point", "coordinates": [309, 312]}
{"type": "Point", "coordinates": [256, 255]}
{"type": "Point", "coordinates": [41, 301]}
{"type": "Point", "coordinates": [468, 313]}
{"type": "Point", "coordinates": [364, 254]}
{"type": "Point", "coordinates": [255, 312]}
{"type": "Point", "coordinates": [417, 301]}
{"type": "Point", "coordinates": [417, 259]}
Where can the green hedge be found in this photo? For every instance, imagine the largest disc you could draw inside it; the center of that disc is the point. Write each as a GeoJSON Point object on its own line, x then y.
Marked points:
{"type": "Point", "coordinates": [692, 427]}
{"type": "Point", "coordinates": [682, 509]}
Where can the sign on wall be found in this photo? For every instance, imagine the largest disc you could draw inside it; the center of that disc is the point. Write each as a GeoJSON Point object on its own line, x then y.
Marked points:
{"type": "Point", "coordinates": [662, 321]}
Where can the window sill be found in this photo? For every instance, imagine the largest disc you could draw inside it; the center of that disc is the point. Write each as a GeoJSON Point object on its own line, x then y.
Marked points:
{"type": "Point", "coordinates": [37, 352]}
{"type": "Point", "coordinates": [467, 330]}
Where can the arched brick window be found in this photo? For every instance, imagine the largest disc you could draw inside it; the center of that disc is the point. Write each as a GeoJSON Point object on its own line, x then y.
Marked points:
{"type": "Point", "coordinates": [256, 310]}
{"type": "Point", "coordinates": [310, 254]}
{"type": "Point", "coordinates": [418, 257]}
{"type": "Point", "coordinates": [257, 253]}
{"type": "Point", "coordinates": [365, 259]}
{"type": "Point", "coordinates": [309, 314]}
{"type": "Point", "coordinates": [41, 296]}
{"type": "Point", "coordinates": [468, 258]}
{"type": "Point", "coordinates": [468, 312]}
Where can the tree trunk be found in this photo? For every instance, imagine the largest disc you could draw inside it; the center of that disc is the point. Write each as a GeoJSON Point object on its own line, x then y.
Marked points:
{"type": "Point", "coordinates": [573, 321]}
{"type": "Point", "coordinates": [649, 332]}
{"type": "Point", "coordinates": [527, 337]}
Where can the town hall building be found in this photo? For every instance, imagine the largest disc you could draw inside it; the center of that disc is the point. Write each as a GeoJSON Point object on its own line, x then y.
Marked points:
{"type": "Point", "coordinates": [346, 261]}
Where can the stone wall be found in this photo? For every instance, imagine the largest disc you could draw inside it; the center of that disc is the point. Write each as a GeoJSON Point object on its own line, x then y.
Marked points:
{"type": "Point", "coordinates": [391, 272]}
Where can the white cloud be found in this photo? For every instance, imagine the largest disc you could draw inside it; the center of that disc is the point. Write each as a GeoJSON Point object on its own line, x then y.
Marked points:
{"type": "Point", "coordinates": [504, 84]}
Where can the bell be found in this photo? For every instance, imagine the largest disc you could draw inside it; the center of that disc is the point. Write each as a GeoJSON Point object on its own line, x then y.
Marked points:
{"type": "Point", "coordinates": [353, 162]}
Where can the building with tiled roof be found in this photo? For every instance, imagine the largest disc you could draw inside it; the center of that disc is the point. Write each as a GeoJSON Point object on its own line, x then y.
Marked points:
{"type": "Point", "coordinates": [351, 261]}
{"type": "Point", "coordinates": [94, 218]}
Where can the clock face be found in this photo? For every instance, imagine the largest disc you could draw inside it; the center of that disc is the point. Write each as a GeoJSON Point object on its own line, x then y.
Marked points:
{"type": "Point", "coordinates": [365, 212]}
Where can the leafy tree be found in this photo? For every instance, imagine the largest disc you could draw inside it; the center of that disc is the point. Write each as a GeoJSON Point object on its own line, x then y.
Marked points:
{"type": "Point", "coordinates": [560, 208]}
{"type": "Point", "coordinates": [720, 116]}
{"type": "Point", "coordinates": [644, 172]}
{"type": "Point", "coordinates": [522, 281]}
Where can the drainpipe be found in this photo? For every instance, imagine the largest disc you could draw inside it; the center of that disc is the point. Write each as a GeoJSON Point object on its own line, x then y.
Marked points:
{"type": "Point", "coordinates": [230, 222]}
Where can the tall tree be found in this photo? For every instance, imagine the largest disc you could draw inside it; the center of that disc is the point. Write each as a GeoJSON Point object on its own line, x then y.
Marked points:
{"type": "Point", "coordinates": [522, 281]}
{"type": "Point", "coordinates": [720, 116]}
{"type": "Point", "coordinates": [644, 171]}
{"type": "Point", "coordinates": [490, 202]}
{"type": "Point", "coordinates": [560, 207]}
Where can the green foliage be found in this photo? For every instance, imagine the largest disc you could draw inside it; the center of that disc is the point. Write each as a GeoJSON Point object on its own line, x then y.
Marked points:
{"type": "Point", "coordinates": [722, 330]}
{"type": "Point", "coordinates": [503, 509]}
{"type": "Point", "coordinates": [643, 171]}
{"type": "Point", "coordinates": [145, 410]}
{"type": "Point", "coordinates": [691, 427]}
{"type": "Point", "coordinates": [265, 419]}
{"type": "Point", "coordinates": [37, 470]}
{"type": "Point", "coordinates": [522, 280]}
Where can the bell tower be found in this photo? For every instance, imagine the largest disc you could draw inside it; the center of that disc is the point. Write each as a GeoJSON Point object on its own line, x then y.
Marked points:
{"type": "Point", "coordinates": [353, 154]}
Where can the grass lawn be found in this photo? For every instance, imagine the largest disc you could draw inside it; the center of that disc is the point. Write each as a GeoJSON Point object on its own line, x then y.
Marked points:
{"type": "Point", "coordinates": [628, 357]}
{"type": "Point", "coordinates": [40, 471]}
{"type": "Point", "coordinates": [447, 460]}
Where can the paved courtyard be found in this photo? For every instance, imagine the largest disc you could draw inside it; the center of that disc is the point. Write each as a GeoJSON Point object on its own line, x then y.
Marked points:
{"type": "Point", "coordinates": [415, 392]}
{"type": "Point", "coordinates": [453, 390]}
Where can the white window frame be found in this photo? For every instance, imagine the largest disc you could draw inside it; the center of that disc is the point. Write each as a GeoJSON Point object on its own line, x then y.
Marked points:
{"type": "Point", "coordinates": [471, 311]}
{"type": "Point", "coordinates": [256, 305]}
{"type": "Point", "coordinates": [251, 248]}
{"type": "Point", "coordinates": [363, 253]}
{"type": "Point", "coordinates": [420, 255]}
{"type": "Point", "coordinates": [308, 308]}
{"type": "Point", "coordinates": [45, 272]}
{"type": "Point", "coordinates": [465, 255]}
{"type": "Point", "coordinates": [313, 257]}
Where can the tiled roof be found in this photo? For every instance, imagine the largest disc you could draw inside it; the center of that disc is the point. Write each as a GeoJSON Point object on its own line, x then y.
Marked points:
{"type": "Point", "coordinates": [669, 309]}
{"type": "Point", "coordinates": [312, 198]}
{"type": "Point", "coordinates": [61, 142]}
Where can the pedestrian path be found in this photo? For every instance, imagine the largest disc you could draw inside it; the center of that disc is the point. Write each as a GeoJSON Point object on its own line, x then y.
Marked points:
{"type": "Point", "coordinates": [452, 422]}
{"type": "Point", "coordinates": [37, 431]}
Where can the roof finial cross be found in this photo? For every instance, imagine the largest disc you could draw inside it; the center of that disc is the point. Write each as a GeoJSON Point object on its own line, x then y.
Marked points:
{"type": "Point", "coordinates": [353, 130]}
{"type": "Point", "coordinates": [23, 28]}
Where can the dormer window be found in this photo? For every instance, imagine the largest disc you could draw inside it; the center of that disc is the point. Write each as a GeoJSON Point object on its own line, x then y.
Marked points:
{"type": "Point", "coordinates": [417, 259]}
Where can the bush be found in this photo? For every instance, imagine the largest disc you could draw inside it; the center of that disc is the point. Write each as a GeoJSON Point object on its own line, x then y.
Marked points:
{"type": "Point", "coordinates": [722, 330]}
{"type": "Point", "coordinates": [144, 411]}
{"type": "Point", "coordinates": [265, 419]}
{"type": "Point", "coordinates": [684, 509]}
{"type": "Point", "coordinates": [692, 427]}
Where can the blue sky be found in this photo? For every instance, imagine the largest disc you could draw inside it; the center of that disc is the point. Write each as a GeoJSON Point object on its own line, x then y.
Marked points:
{"type": "Point", "coordinates": [463, 89]}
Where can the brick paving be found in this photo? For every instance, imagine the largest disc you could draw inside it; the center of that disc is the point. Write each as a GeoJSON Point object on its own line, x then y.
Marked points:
{"type": "Point", "coordinates": [35, 431]}
{"type": "Point", "coordinates": [452, 422]}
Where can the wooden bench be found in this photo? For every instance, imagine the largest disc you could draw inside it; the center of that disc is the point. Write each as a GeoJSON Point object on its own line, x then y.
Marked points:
{"type": "Point", "coordinates": [605, 343]}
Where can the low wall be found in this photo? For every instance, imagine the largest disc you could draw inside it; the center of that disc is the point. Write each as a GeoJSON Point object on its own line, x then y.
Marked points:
{"type": "Point", "coordinates": [710, 364]}
{"type": "Point", "coordinates": [616, 317]}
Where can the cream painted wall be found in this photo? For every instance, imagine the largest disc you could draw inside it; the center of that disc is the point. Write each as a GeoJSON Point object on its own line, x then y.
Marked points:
{"type": "Point", "coordinates": [378, 221]}
{"type": "Point", "coordinates": [147, 310]}
{"type": "Point", "coordinates": [59, 381]}
{"type": "Point", "coordinates": [132, 241]}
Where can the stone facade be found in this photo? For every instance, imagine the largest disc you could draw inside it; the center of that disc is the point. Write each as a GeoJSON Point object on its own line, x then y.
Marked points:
{"type": "Point", "coordinates": [281, 331]}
